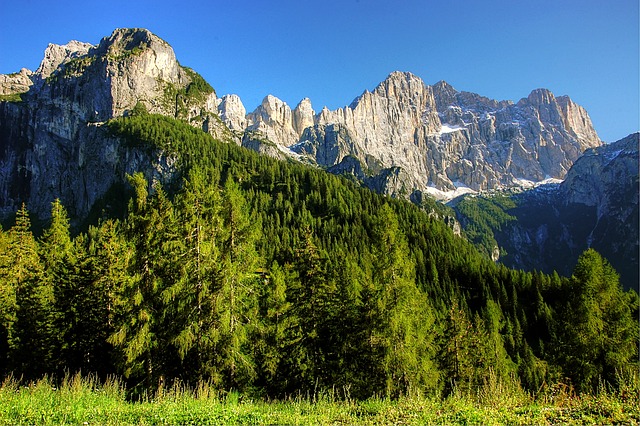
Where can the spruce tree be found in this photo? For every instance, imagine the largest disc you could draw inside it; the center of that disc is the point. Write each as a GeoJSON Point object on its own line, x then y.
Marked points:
{"type": "Point", "coordinates": [237, 301]}
{"type": "Point", "coordinates": [141, 334]}
{"type": "Point", "coordinates": [191, 299]}
{"type": "Point", "coordinates": [402, 325]}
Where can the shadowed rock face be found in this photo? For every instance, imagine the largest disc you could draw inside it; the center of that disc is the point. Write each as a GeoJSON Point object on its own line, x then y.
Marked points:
{"type": "Point", "coordinates": [596, 206]}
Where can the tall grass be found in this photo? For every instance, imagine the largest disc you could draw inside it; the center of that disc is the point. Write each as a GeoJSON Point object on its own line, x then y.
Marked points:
{"type": "Point", "coordinates": [82, 400]}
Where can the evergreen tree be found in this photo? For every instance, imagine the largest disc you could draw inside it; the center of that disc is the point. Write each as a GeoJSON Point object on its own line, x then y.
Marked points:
{"type": "Point", "coordinates": [310, 294]}
{"type": "Point", "coordinates": [110, 256]}
{"type": "Point", "coordinates": [402, 328]}
{"type": "Point", "coordinates": [8, 303]}
{"type": "Point", "coordinates": [497, 358]}
{"type": "Point", "coordinates": [192, 297]}
{"type": "Point", "coordinates": [456, 350]}
{"type": "Point", "coordinates": [271, 335]}
{"type": "Point", "coordinates": [141, 334]}
{"type": "Point", "coordinates": [33, 334]}
{"type": "Point", "coordinates": [597, 333]}
{"type": "Point", "coordinates": [237, 301]}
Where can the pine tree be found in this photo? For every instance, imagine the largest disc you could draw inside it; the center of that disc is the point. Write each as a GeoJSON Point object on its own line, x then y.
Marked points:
{"type": "Point", "coordinates": [402, 323]}
{"type": "Point", "coordinates": [454, 356]}
{"type": "Point", "coordinates": [237, 301]}
{"type": "Point", "coordinates": [191, 299]}
{"type": "Point", "coordinates": [270, 340]}
{"type": "Point", "coordinates": [110, 256]}
{"type": "Point", "coordinates": [141, 334]}
{"type": "Point", "coordinates": [8, 303]}
{"type": "Point", "coordinates": [498, 359]}
{"type": "Point", "coordinates": [310, 294]}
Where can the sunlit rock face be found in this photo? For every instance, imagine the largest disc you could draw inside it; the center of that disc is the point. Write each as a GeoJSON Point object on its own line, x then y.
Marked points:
{"type": "Point", "coordinates": [441, 140]}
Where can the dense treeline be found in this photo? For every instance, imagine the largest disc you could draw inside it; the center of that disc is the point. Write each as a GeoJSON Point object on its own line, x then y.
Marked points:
{"type": "Point", "coordinates": [273, 278]}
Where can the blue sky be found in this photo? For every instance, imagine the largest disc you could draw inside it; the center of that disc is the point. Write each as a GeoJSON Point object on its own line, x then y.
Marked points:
{"type": "Point", "coordinates": [331, 51]}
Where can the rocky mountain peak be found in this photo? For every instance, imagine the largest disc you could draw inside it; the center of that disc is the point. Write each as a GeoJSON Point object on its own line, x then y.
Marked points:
{"type": "Point", "coordinates": [129, 39]}
{"type": "Point", "coordinates": [539, 97]}
{"type": "Point", "coordinates": [303, 116]}
{"type": "Point", "coordinates": [444, 94]}
{"type": "Point", "coordinates": [577, 120]}
{"type": "Point", "coordinates": [273, 118]}
{"type": "Point", "coordinates": [56, 55]}
{"type": "Point", "coordinates": [443, 139]}
{"type": "Point", "coordinates": [402, 86]}
{"type": "Point", "coordinates": [564, 113]}
{"type": "Point", "coordinates": [55, 134]}
{"type": "Point", "coordinates": [232, 112]}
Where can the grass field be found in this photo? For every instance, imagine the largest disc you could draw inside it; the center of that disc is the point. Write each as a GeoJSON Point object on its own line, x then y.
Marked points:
{"type": "Point", "coordinates": [83, 401]}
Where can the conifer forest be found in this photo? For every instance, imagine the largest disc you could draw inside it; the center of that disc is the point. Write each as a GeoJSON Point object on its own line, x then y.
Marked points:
{"type": "Point", "coordinates": [272, 278]}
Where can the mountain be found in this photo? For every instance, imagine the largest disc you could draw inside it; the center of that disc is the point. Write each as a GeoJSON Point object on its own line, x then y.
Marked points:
{"type": "Point", "coordinates": [547, 228]}
{"type": "Point", "coordinates": [412, 139]}
{"type": "Point", "coordinates": [272, 277]}
{"type": "Point", "coordinates": [404, 138]}
{"type": "Point", "coordinates": [54, 144]}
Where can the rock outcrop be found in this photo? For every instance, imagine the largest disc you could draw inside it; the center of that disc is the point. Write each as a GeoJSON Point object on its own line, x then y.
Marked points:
{"type": "Point", "coordinates": [599, 175]}
{"type": "Point", "coordinates": [274, 119]}
{"type": "Point", "coordinates": [233, 113]}
{"type": "Point", "coordinates": [56, 55]}
{"type": "Point", "coordinates": [52, 139]}
{"type": "Point", "coordinates": [303, 116]}
{"type": "Point", "coordinates": [15, 84]}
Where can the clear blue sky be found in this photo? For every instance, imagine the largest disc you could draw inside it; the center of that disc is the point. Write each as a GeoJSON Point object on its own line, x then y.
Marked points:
{"type": "Point", "coordinates": [332, 50]}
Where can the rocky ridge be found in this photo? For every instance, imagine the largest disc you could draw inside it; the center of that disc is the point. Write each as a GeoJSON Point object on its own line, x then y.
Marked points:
{"type": "Point", "coordinates": [434, 139]}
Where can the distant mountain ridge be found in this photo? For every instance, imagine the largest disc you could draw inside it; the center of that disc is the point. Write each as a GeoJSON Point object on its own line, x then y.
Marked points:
{"type": "Point", "coordinates": [404, 138]}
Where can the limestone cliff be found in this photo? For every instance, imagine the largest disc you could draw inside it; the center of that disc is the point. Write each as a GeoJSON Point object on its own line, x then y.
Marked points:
{"type": "Point", "coordinates": [52, 139]}
{"type": "Point", "coordinates": [441, 139]}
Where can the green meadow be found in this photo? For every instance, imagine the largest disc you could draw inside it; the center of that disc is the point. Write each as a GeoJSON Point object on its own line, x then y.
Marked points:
{"type": "Point", "coordinates": [81, 400]}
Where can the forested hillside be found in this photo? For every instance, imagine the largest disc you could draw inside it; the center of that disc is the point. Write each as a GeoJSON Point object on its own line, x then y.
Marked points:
{"type": "Point", "coordinates": [548, 227]}
{"type": "Point", "coordinates": [272, 278]}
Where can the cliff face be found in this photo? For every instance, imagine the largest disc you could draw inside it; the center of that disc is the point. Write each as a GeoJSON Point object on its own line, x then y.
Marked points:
{"type": "Point", "coordinates": [440, 139]}
{"type": "Point", "coordinates": [52, 142]}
